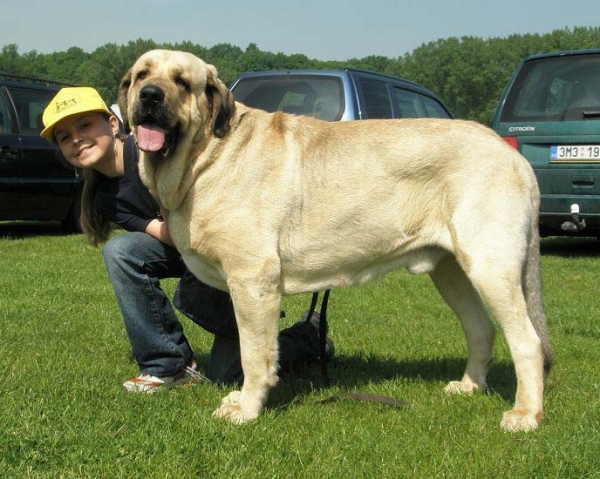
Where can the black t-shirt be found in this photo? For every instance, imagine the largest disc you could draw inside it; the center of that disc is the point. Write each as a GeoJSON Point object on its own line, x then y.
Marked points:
{"type": "Point", "coordinates": [125, 200]}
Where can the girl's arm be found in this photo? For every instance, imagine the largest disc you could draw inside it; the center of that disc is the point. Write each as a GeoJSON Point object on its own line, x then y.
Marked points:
{"type": "Point", "coordinates": [157, 228]}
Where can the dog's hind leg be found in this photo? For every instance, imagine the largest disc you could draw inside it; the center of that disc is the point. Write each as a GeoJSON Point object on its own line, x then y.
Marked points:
{"type": "Point", "coordinates": [458, 292]}
{"type": "Point", "coordinates": [499, 278]}
{"type": "Point", "coordinates": [257, 305]}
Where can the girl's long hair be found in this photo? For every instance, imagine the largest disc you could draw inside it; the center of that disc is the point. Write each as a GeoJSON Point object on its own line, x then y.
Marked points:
{"type": "Point", "coordinates": [96, 227]}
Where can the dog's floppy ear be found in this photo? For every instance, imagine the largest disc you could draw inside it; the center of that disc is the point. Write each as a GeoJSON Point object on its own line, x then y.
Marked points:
{"type": "Point", "coordinates": [221, 100]}
{"type": "Point", "coordinates": [123, 89]}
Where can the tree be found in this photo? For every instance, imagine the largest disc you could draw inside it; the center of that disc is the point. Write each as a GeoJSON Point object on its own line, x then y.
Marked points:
{"type": "Point", "coordinates": [468, 73]}
{"type": "Point", "coordinates": [10, 61]}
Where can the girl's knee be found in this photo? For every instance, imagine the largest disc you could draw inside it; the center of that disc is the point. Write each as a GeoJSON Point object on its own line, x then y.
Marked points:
{"type": "Point", "coordinates": [121, 247]}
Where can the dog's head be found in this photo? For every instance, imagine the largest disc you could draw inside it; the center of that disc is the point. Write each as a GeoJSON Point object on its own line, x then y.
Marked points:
{"type": "Point", "coordinates": [168, 97]}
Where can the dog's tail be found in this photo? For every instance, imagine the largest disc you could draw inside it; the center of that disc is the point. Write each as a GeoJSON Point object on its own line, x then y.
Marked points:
{"type": "Point", "coordinates": [532, 288]}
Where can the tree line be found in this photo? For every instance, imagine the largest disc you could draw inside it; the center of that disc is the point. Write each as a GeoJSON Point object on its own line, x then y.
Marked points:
{"type": "Point", "coordinates": [468, 73]}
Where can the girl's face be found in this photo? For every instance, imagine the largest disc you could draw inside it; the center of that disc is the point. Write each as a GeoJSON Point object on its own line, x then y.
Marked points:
{"type": "Point", "coordinates": [87, 140]}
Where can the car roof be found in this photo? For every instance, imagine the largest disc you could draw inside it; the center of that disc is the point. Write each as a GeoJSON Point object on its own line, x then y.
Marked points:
{"type": "Point", "coordinates": [33, 86]}
{"type": "Point", "coordinates": [30, 82]}
{"type": "Point", "coordinates": [341, 72]}
{"type": "Point", "coordinates": [563, 53]}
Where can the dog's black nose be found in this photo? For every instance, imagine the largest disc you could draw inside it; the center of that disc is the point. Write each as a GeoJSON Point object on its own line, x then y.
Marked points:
{"type": "Point", "coordinates": [151, 95]}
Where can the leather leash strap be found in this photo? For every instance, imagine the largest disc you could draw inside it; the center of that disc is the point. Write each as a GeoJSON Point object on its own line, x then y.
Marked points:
{"type": "Point", "coordinates": [377, 398]}
{"type": "Point", "coordinates": [366, 397]}
{"type": "Point", "coordinates": [322, 332]}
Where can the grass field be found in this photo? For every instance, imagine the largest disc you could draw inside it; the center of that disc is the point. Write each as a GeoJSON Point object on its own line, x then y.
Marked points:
{"type": "Point", "coordinates": [64, 355]}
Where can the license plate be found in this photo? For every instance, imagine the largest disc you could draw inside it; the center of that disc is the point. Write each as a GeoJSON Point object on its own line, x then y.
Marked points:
{"type": "Point", "coordinates": [575, 153]}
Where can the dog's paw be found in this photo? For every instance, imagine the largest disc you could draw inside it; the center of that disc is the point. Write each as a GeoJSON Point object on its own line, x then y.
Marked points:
{"type": "Point", "coordinates": [520, 420]}
{"type": "Point", "coordinates": [232, 398]}
{"type": "Point", "coordinates": [463, 387]}
{"type": "Point", "coordinates": [232, 411]}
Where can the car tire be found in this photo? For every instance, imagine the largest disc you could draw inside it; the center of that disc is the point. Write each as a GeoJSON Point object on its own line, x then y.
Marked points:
{"type": "Point", "coordinates": [72, 223]}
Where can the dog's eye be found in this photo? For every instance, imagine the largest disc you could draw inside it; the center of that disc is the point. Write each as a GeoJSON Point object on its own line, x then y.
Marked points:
{"type": "Point", "coordinates": [182, 83]}
{"type": "Point", "coordinates": [141, 75]}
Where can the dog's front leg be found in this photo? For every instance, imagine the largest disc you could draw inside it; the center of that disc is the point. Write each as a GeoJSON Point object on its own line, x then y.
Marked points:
{"type": "Point", "coordinates": [257, 305]}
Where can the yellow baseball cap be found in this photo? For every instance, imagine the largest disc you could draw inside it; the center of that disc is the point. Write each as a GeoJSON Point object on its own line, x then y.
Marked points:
{"type": "Point", "coordinates": [70, 101]}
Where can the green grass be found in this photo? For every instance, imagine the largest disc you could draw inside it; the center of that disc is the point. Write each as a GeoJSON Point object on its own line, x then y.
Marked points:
{"type": "Point", "coordinates": [64, 355]}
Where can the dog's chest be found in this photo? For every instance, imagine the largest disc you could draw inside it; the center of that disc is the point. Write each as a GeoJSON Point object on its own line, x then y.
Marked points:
{"type": "Point", "coordinates": [204, 270]}
{"type": "Point", "coordinates": [196, 241]}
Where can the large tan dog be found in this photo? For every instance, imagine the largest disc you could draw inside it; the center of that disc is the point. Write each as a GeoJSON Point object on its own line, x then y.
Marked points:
{"type": "Point", "coordinates": [264, 205]}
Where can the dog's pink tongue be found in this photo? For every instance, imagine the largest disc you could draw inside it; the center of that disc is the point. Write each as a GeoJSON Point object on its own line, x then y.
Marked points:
{"type": "Point", "coordinates": [150, 138]}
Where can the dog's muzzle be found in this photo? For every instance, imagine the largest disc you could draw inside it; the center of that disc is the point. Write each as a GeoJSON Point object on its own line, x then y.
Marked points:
{"type": "Point", "coordinates": [153, 131]}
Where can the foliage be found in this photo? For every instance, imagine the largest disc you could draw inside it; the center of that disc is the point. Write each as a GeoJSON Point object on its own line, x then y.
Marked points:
{"type": "Point", "coordinates": [64, 355]}
{"type": "Point", "coordinates": [468, 73]}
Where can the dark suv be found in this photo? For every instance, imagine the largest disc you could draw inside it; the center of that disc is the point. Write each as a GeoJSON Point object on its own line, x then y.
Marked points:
{"type": "Point", "coordinates": [550, 112]}
{"type": "Point", "coordinates": [333, 95]}
{"type": "Point", "coordinates": [36, 183]}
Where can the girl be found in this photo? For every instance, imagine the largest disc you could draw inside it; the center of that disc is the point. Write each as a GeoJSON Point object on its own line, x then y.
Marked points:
{"type": "Point", "coordinates": [88, 134]}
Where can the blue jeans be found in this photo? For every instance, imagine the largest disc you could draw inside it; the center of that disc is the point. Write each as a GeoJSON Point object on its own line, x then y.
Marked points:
{"type": "Point", "coordinates": [136, 262]}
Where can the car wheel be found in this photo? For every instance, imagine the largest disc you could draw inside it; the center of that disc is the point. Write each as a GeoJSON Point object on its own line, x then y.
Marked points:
{"type": "Point", "coordinates": [72, 223]}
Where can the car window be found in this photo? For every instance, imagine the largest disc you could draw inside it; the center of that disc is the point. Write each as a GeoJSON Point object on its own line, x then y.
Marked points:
{"type": "Point", "coordinates": [433, 108]}
{"type": "Point", "coordinates": [318, 96]}
{"type": "Point", "coordinates": [4, 117]}
{"type": "Point", "coordinates": [555, 89]}
{"type": "Point", "coordinates": [30, 105]}
{"type": "Point", "coordinates": [376, 97]}
{"type": "Point", "coordinates": [409, 103]}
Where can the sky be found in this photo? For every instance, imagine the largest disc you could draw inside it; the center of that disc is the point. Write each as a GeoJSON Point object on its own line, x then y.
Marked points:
{"type": "Point", "coordinates": [319, 29]}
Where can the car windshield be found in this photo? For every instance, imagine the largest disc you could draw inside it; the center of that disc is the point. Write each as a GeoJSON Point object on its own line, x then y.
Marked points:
{"type": "Point", "coordinates": [556, 89]}
{"type": "Point", "coordinates": [314, 95]}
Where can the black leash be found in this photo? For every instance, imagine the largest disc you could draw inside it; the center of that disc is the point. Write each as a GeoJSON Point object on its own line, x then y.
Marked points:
{"type": "Point", "coordinates": [323, 338]}
{"type": "Point", "coordinates": [376, 398]}
{"type": "Point", "coordinates": [322, 332]}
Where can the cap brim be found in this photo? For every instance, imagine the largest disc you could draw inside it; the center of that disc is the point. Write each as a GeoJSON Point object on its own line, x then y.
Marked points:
{"type": "Point", "coordinates": [48, 133]}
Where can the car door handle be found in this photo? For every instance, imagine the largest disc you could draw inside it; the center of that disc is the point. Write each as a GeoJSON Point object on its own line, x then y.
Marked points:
{"type": "Point", "coordinates": [583, 182]}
